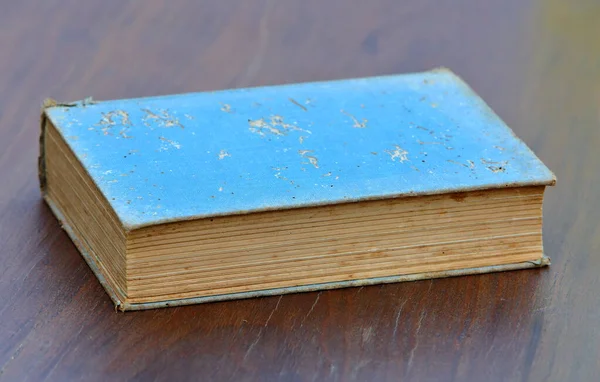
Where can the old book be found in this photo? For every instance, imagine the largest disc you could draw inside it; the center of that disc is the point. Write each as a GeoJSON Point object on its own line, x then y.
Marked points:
{"type": "Point", "coordinates": [232, 194]}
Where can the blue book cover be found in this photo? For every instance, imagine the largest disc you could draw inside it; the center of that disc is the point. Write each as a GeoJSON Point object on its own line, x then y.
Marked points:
{"type": "Point", "coordinates": [191, 156]}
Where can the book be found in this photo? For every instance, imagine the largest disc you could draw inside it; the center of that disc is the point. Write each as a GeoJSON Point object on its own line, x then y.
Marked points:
{"type": "Point", "coordinates": [261, 191]}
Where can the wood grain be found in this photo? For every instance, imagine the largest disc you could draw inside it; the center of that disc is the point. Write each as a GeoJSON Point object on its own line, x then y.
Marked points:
{"type": "Point", "coordinates": [535, 61]}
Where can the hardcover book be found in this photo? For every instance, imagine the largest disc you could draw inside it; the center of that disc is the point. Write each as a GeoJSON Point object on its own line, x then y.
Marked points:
{"type": "Point", "coordinates": [231, 194]}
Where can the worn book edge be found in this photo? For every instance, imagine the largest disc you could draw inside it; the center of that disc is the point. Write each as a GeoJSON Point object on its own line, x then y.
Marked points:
{"type": "Point", "coordinates": [48, 103]}
{"type": "Point", "coordinates": [125, 306]}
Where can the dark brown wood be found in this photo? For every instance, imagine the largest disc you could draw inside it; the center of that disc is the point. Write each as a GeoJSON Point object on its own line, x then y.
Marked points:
{"type": "Point", "coordinates": [537, 63]}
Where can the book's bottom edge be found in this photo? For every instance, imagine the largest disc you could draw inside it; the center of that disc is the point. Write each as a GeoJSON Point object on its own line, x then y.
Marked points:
{"type": "Point", "coordinates": [544, 261]}
{"type": "Point", "coordinates": [91, 262]}
{"type": "Point", "coordinates": [125, 306]}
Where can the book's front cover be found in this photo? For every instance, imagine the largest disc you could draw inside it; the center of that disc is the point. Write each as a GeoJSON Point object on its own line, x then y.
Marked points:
{"type": "Point", "coordinates": [196, 155]}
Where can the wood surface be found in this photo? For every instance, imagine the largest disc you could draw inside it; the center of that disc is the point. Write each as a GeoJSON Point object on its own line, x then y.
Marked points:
{"type": "Point", "coordinates": [536, 62]}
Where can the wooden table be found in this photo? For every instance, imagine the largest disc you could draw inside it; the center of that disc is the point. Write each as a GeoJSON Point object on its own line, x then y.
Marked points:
{"type": "Point", "coordinates": [537, 63]}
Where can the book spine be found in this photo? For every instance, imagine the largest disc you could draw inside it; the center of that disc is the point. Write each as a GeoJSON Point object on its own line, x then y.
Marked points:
{"type": "Point", "coordinates": [42, 150]}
